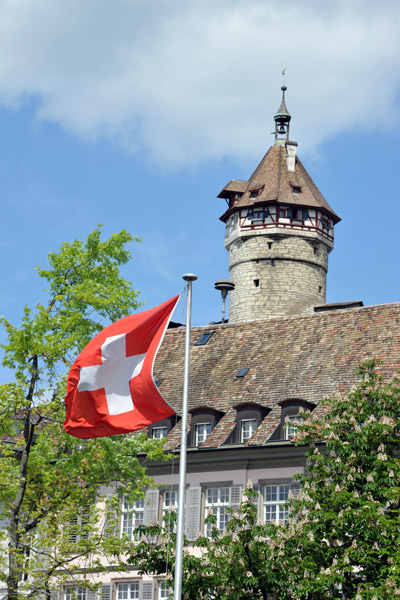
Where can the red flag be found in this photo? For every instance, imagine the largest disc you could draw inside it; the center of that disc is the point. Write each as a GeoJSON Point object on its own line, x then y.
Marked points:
{"type": "Point", "coordinates": [110, 387]}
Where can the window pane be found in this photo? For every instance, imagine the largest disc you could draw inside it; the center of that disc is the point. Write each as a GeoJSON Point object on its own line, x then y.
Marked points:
{"type": "Point", "coordinates": [275, 497]}
{"type": "Point", "coordinates": [202, 431]}
{"type": "Point", "coordinates": [128, 591]}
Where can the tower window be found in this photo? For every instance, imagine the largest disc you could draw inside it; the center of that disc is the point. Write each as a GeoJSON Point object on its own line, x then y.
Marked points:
{"type": "Point", "coordinates": [325, 223]}
{"type": "Point", "coordinates": [256, 282]}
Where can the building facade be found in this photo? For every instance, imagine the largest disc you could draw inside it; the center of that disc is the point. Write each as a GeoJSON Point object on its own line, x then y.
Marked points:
{"type": "Point", "coordinates": [282, 350]}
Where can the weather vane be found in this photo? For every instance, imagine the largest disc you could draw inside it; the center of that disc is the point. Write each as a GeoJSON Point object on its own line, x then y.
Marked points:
{"type": "Point", "coordinates": [283, 75]}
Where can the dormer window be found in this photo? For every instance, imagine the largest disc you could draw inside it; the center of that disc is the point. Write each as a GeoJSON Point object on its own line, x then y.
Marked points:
{"type": "Point", "coordinates": [158, 433]}
{"type": "Point", "coordinates": [290, 418]}
{"type": "Point", "coordinates": [248, 419]}
{"type": "Point", "coordinates": [161, 429]}
{"type": "Point", "coordinates": [204, 421]}
{"type": "Point", "coordinates": [296, 189]}
{"type": "Point", "coordinates": [202, 431]}
{"type": "Point", "coordinates": [247, 428]}
{"type": "Point", "coordinates": [292, 422]}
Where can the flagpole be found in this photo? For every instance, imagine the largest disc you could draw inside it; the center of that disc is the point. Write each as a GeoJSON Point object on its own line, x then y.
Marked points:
{"type": "Point", "coordinates": [189, 277]}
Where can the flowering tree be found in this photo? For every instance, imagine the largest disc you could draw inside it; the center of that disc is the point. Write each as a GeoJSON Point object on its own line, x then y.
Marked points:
{"type": "Point", "coordinates": [343, 539]}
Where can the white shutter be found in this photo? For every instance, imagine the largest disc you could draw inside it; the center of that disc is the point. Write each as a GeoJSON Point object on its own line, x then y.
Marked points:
{"type": "Point", "coordinates": [235, 496]}
{"type": "Point", "coordinates": [91, 595]}
{"type": "Point", "coordinates": [193, 508]}
{"type": "Point", "coordinates": [105, 593]}
{"type": "Point", "coordinates": [146, 590]}
{"type": "Point", "coordinates": [150, 513]}
{"type": "Point", "coordinates": [54, 594]}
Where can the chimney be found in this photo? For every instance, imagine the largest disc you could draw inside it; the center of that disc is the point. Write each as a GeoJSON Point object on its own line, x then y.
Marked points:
{"type": "Point", "coordinates": [291, 149]}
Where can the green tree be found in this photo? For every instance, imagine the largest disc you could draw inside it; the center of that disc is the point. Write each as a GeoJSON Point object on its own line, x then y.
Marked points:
{"type": "Point", "coordinates": [50, 482]}
{"type": "Point", "coordinates": [344, 536]}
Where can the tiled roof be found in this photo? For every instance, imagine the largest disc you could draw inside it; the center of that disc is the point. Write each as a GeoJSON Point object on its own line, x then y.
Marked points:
{"type": "Point", "coordinates": [304, 357]}
{"type": "Point", "coordinates": [277, 185]}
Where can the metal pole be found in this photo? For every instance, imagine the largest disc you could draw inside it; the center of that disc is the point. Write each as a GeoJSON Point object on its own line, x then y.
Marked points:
{"type": "Point", "coordinates": [189, 277]}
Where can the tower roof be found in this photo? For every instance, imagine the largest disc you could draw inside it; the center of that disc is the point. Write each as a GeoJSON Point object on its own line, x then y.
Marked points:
{"type": "Point", "coordinates": [283, 115]}
{"type": "Point", "coordinates": [276, 183]}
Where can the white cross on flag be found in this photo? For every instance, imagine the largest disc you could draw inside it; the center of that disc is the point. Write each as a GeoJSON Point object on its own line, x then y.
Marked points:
{"type": "Point", "coordinates": [110, 387]}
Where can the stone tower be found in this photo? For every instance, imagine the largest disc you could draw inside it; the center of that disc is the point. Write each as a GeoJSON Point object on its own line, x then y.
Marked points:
{"type": "Point", "coordinates": [279, 232]}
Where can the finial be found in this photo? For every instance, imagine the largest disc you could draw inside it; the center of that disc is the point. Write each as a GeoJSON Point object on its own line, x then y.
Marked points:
{"type": "Point", "coordinates": [282, 117]}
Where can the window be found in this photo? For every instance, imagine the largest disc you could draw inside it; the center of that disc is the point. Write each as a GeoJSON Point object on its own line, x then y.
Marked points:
{"type": "Point", "coordinates": [74, 592]}
{"type": "Point", "coordinates": [298, 214]}
{"type": "Point", "coordinates": [291, 425]}
{"type": "Point", "coordinates": [132, 517]}
{"type": "Point", "coordinates": [247, 428]}
{"type": "Point", "coordinates": [258, 214]}
{"type": "Point", "coordinates": [325, 223]}
{"type": "Point", "coordinates": [160, 429]}
{"type": "Point", "coordinates": [242, 372]}
{"type": "Point", "coordinates": [275, 497]}
{"type": "Point", "coordinates": [170, 504]}
{"type": "Point", "coordinates": [164, 592]}
{"type": "Point", "coordinates": [254, 194]}
{"type": "Point", "coordinates": [217, 502]}
{"type": "Point", "coordinates": [296, 189]}
{"type": "Point", "coordinates": [127, 591]}
{"type": "Point", "coordinates": [157, 433]}
{"type": "Point", "coordinates": [202, 431]}
{"type": "Point", "coordinates": [203, 339]}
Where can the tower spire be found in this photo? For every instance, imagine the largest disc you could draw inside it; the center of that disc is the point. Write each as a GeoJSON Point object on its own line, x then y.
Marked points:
{"type": "Point", "coordinates": [282, 120]}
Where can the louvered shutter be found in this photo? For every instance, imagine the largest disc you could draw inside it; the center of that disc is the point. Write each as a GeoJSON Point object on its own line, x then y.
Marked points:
{"type": "Point", "coordinates": [146, 590]}
{"type": "Point", "coordinates": [235, 496]}
{"type": "Point", "coordinates": [91, 595]}
{"type": "Point", "coordinates": [150, 513]}
{"type": "Point", "coordinates": [73, 526]}
{"type": "Point", "coordinates": [54, 594]}
{"type": "Point", "coordinates": [294, 489]}
{"type": "Point", "coordinates": [105, 593]}
{"type": "Point", "coordinates": [193, 508]}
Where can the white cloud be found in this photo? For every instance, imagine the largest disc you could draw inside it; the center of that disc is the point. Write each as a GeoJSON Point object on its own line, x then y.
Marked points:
{"type": "Point", "coordinates": [189, 81]}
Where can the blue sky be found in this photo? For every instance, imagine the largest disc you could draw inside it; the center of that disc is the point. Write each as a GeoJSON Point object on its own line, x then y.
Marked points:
{"type": "Point", "coordinates": [135, 115]}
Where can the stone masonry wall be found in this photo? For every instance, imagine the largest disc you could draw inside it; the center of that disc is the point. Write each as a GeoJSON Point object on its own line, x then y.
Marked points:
{"type": "Point", "coordinates": [276, 276]}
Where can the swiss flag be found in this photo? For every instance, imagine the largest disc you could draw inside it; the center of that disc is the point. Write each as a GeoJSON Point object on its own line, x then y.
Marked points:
{"type": "Point", "coordinates": [110, 387]}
